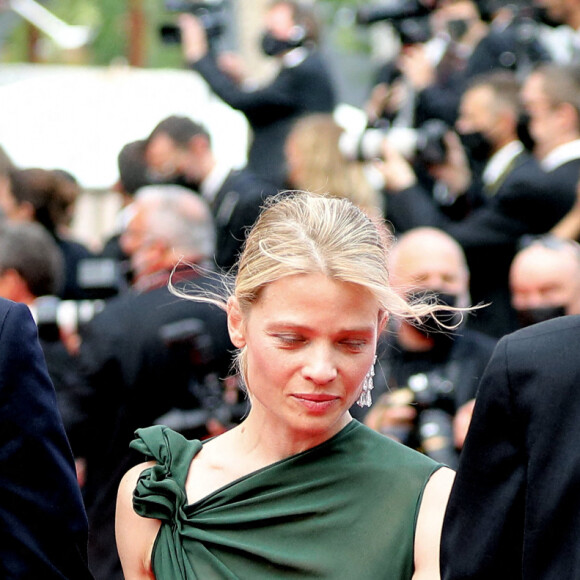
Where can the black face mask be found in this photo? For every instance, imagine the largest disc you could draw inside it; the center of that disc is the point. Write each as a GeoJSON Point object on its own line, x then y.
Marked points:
{"type": "Point", "coordinates": [529, 316]}
{"type": "Point", "coordinates": [429, 325]}
{"type": "Point", "coordinates": [272, 46]}
{"type": "Point", "coordinates": [457, 28]}
{"type": "Point", "coordinates": [477, 146]}
{"type": "Point", "coordinates": [523, 131]}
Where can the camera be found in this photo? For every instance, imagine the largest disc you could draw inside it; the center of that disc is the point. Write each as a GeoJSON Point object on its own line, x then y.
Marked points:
{"type": "Point", "coordinates": [425, 144]}
{"type": "Point", "coordinates": [408, 17]}
{"type": "Point", "coordinates": [101, 278]}
{"type": "Point", "coordinates": [53, 315]}
{"type": "Point", "coordinates": [397, 10]}
{"type": "Point", "coordinates": [190, 346]}
{"type": "Point", "coordinates": [211, 14]}
{"type": "Point", "coordinates": [432, 396]}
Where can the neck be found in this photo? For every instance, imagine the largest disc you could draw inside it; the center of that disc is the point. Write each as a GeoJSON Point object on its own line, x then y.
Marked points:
{"type": "Point", "coordinates": [262, 437]}
{"type": "Point", "coordinates": [559, 139]}
{"type": "Point", "coordinates": [501, 143]}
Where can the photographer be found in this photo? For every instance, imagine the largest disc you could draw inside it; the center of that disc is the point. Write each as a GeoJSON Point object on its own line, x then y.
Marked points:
{"type": "Point", "coordinates": [303, 84]}
{"type": "Point", "coordinates": [515, 195]}
{"type": "Point", "coordinates": [444, 51]}
{"type": "Point", "coordinates": [426, 378]}
{"type": "Point", "coordinates": [134, 375]}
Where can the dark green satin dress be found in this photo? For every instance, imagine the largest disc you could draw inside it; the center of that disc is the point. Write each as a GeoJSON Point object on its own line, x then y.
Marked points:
{"type": "Point", "coordinates": [345, 509]}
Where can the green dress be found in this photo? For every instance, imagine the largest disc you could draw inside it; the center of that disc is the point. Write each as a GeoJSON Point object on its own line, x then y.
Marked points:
{"type": "Point", "coordinates": [345, 509]}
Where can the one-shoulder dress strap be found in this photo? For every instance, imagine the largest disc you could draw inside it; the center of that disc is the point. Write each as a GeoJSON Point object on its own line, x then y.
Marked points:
{"type": "Point", "coordinates": [160, 490]}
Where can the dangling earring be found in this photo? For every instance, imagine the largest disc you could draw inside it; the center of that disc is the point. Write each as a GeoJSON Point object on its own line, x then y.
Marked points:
{"type": "Point", "coordinates": [365, 399]}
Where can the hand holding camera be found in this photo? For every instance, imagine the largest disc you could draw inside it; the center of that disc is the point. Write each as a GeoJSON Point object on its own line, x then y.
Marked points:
{"type": "Point", "coordinates": [193, 37]}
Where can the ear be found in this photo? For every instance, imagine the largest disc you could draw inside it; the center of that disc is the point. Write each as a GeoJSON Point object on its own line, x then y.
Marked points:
{"type": "Point", "coordinates": [383, 319]}
{"type": "Point", "coordinates": [25, 212]}
{"type": "Point", "coordinates": [569, 112]}
{"type": "Point", "coordinates": [236, 325]}
{"type": "Point", "coordinates": [198, 144]}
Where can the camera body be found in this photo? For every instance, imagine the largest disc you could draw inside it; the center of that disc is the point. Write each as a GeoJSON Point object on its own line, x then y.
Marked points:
{"type": "Point", "coordinates": [53, 315]}
{"type": "Point", "coordinates": [206, 398]}
{"type": "Point", "coordinates": [211, 14]}
{"type": "Point", "coordinates": [408, 17]}
{"type": "Point", "coordinates": [425, 144]}
{"type": "Point", "coordinates": [433, 397]}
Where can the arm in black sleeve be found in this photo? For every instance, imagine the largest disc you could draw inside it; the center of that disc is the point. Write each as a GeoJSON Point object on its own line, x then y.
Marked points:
{"type": "Point", "coordinates": [483, 528]}
{"type": "Point", "coordinates": [43, 527]}
{"type": "Point", "coordinates": [274, 100]}
{"type": "Point", "coordinates": [486, 226]}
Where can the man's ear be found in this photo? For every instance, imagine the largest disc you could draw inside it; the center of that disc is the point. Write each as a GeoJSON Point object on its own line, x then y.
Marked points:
{"type": "Point", "coordinates": [236, 323]}
{"type": "Point", "coordinates": [25, 212]}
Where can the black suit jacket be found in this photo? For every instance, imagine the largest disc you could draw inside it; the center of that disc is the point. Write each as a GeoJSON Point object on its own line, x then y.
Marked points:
{"type": "Point", "coordinates": [514, 511]}
{"type": "Point", "coordinates": [271, 110]}
{"type": "Point", "coordinates": [528, 201]}
{"type": "Point", "coordinates": [43, 527]}
{"type": "Point", "coordinates": [235, 208]}
{"type": "Point", "coordinates": [134, 377]}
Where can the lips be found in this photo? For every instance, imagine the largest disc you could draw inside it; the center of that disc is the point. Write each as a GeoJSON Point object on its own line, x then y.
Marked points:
{"type": "Point", "coordinates": [316, 402]}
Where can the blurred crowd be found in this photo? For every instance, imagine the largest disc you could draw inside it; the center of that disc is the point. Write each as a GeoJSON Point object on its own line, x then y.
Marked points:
{"type": "Point", "coordinates": [471, 153]}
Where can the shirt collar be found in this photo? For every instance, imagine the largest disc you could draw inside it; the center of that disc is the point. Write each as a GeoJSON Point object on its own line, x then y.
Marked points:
{"type": "Point", "coordinates": [561, 155]}
{"type": "Point", "coordinates": [500, 161]}
{"type": "Point", "coordinates": [213, 182]}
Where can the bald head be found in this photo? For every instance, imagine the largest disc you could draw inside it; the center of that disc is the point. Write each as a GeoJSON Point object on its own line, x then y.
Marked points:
{"type": "Point", "coordinates": [427, 258]}
{"type": "Point", "coordinates": [547, 274]}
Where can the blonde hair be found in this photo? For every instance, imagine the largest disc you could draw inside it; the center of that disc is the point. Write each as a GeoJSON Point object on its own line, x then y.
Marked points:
{"type": "Point", "coordinates": [323, 167]}
{"type": "Point", "coordinates": [304, 233]}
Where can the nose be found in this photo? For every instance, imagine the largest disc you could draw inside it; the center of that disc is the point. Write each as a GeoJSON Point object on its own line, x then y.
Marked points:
{"type": "Point", "coordinates": [320, 367]}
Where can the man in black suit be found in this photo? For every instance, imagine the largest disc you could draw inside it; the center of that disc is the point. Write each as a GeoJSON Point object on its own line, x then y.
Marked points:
{"type": "Point", "coordinates": [551, 97]}
{"type": "Point", "coordinates": [514, 511]}
{"type": "Point", "coordinates": [303, 84]}
{"type": "Point", "coordinates": [178, 146]}
{"type": "Point", "coordinates": [43, 526]}
{"type": "Point", "coordinates": [149, 352]}
{"type": "Point", "coordinates": [518, 197]}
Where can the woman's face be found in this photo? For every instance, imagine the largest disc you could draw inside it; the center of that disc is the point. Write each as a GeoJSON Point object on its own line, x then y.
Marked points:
{"type": "Point", "coordinates": [310, 341]}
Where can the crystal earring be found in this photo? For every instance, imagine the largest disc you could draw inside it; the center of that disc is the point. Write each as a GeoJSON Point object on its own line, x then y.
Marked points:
{"type": "Point", "coordinates": [365, 399]}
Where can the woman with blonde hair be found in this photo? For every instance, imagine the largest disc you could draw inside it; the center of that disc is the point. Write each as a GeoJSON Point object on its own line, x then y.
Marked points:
{"type": "Point", "coordinates": [299, 489]}
{"type": "Point", "coordinates": [315, 163]}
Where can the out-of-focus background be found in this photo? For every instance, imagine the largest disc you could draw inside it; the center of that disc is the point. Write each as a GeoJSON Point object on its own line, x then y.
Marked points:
{"type": "Point", "coordinates": [79, 79]}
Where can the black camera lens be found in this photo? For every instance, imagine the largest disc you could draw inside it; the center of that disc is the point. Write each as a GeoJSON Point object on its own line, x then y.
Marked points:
{"type": "Point", "coordinates": [170, 34]}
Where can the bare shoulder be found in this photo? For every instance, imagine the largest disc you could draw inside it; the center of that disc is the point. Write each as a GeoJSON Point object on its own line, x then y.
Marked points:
{"type": "Point", "coordinates": [135, 534]}
{"type": "Point", "coordinates": [439, 484]}
{"type": "Point", "coordinates": [430, 522]}
{"type": "Point", "coordinates": [130, 478]}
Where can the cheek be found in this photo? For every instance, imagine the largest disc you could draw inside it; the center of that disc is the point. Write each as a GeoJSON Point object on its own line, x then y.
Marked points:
{"type": "Point", "coordinates": [264, 361]}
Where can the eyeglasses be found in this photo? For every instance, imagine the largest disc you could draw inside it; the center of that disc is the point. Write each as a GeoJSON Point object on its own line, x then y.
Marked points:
{"type": "Point", "coordinates": [549, 241]}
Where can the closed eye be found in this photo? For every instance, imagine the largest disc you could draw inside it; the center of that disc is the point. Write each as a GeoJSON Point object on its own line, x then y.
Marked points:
{"type": "Point", "coordinates": [289, 340]}
{"type": "Point", "coordinates": [354, 345]}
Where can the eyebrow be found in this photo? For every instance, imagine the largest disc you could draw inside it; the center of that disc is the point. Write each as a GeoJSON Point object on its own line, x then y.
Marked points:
{"type": "Point", "coordinates": [287, 325]}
